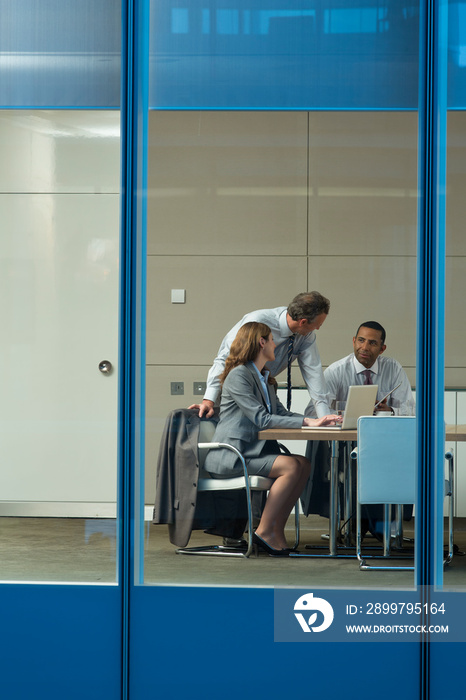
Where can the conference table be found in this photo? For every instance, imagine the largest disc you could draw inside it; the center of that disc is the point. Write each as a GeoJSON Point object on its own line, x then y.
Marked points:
{"type": "Point", "coordinates": [453, 433]}
{"type": "Point", "coordinates": [335, 436]}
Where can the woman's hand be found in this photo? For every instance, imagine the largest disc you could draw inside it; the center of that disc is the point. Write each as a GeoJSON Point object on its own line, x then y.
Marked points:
{"type": "Point", "coordinates": [325, 420]}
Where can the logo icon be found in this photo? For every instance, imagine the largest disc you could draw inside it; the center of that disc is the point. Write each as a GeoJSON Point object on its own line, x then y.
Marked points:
{"type": "Point", "coordinates": [312, 605]}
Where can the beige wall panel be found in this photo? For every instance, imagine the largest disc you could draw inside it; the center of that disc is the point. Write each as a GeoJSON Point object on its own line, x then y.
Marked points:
{"type": "Point", "coordinates": [219, 291]}
{"type": "Point", "coordinates": [363, 183]}
{"type": "Point", "coordinates": [227, 183]}
{"type": "Point", "coordinates": [455, 355]}
{"type": "Point", "coordinates": [367, 289]}
{"type": "Point", "coordinates": [455, 377]}
{"type": "Point", "coordinates": [456, 183]}
{"type": "Point", "coordinates": [60, 151]}
{"type": "Point", "coordinates": [346, 223]}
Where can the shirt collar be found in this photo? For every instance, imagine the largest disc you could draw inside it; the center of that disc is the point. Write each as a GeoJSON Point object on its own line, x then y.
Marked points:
{"type": "Point", "coordinates": [360, 368]}
{"type": "Point", "coordinates": [285, 330]}
{"type": "Point", "coordinates": [264, 375]}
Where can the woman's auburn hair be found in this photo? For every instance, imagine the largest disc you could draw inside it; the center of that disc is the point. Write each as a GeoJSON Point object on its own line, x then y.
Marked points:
{"type": "Point", "coordinates": [246, 346]}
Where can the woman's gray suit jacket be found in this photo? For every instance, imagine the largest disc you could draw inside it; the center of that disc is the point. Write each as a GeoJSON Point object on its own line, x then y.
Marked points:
{"type": "Point", "coordinates": [243, 412]}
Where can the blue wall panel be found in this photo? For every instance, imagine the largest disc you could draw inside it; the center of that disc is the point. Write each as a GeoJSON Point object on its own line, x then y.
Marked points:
{"type": "Point", "coordinates": [209, 643]}
{"type": "Point", "coordinates": [60, 53]}
{"type": "Point", "coordinates": [225, 54]}
{"type": "Point", "coordinates": [60, 642]}
{"type": "Point", "coordinates": [298, 54]}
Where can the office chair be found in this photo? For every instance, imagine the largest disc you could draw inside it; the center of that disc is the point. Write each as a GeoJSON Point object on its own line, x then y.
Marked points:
{"type": "Point", "coordinates": [247, 482]}
{"type": "Point", "coordinates": [386, 473]}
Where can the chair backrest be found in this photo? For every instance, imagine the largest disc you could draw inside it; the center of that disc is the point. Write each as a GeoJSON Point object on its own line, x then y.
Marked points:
{"type": "Point", "coordinates": [387, 459]}
{"type": "Point", "coordinates": [206, 434]}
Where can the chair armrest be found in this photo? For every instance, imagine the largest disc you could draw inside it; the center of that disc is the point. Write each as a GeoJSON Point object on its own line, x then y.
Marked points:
{"type": "Point", "coordinates": [449, 481]}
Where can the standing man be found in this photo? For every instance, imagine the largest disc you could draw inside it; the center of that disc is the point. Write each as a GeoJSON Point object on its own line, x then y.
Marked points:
{"type": "Point", "coordinates": [293, 329]}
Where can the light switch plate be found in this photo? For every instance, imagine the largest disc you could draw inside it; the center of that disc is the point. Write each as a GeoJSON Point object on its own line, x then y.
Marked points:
{"type": "Point", "coordinates": [178, 296]}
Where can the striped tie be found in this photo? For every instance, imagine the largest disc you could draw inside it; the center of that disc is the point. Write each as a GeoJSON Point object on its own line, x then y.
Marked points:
{"type": "Point", "coordinates": [368, 374]}
{"type": "Point", "coordinates": [288, 375]}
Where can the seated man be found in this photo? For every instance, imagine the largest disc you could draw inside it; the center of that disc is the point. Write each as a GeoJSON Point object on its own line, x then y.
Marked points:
{"type": "Point", "coordinates": [365, 365]}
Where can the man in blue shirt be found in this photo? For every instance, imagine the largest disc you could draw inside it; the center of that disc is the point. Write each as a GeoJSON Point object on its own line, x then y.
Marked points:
{"type": "Point", "coordinates": [303, 316]}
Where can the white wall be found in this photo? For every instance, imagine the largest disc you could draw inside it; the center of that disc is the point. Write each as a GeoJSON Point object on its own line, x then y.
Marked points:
{"type": "Point", "coordinates": [59, 295]}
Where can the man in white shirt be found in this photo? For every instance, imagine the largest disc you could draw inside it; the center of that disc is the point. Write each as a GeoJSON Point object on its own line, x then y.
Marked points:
{"type": "Point", "coordinates": [304, 315]}
{"type": "Point", "coordinates": [365, 365]}
{"type": "Point", "coordinates": [387, 373]}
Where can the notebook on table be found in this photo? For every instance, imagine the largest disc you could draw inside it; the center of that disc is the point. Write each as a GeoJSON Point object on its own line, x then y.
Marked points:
{"type": "Point", "coordinates": [360, 402]}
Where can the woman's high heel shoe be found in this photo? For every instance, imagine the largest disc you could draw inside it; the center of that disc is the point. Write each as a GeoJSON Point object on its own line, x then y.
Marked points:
{"type": "Point", "coordinates": [257, 540]}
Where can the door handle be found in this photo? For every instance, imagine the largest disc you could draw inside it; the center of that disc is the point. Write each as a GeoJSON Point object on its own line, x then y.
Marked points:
{"type": "Point", "coordinates": [106, 367]}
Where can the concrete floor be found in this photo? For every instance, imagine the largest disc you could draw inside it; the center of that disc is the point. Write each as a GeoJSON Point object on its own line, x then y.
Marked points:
{"type": "Point", "coordinates": [68, 549]}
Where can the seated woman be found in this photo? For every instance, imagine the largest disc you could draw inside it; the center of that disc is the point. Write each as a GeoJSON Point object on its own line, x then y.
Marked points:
{"type": "Point", "coordinates": [249, 404]}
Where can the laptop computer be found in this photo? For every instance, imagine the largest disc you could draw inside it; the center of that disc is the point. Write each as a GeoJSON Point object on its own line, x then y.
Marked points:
{"type": "Point", "coordinates": [360, 402]}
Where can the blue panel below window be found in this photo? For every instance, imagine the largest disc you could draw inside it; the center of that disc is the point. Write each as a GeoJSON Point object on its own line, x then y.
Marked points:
{"type": "Point", "coordinates": [60, 642]}
{"type": "Point", "coordinates": [221, 638]}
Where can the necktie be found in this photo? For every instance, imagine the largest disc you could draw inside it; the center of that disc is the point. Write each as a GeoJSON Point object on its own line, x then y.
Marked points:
{"type": "Point", "coordinates": [368, 374]}
{"type": "Point", "coordinates": [288, 375]}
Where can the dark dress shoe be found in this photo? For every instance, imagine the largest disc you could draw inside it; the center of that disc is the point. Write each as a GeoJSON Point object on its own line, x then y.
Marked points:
{"type": "Point", "coordinates": [257, 540]}
{"type": "Point", "coordinates": [236, 544]}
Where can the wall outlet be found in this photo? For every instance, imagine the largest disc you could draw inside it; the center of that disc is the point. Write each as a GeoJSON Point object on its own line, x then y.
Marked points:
{"type": "Point", "coordinates": [199, 388]}
{"type": "Point", "coordinates": [176, 388]}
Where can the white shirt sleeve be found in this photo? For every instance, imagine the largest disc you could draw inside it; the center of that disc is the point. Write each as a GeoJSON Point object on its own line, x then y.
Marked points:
{"type": "Point", "coordinates": [311, 369]}
{"type": "Point", "coordinates": [402, 399]}
{"type": "Point", "coordinates": [268, 316]}
{"type": "Point", "coordinates": [213, 385]}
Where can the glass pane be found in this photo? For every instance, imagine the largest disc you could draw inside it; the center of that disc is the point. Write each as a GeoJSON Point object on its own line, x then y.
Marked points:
{"type": "Point", "coordinates": [60, 53]}
{"type": "Point", "coordinates": [59, 252]}
{"type": "Point", "coordinates": [455, 374]}
{"type": "Point", "coordinates": [245, 210]}
{"type": "Point", "coordinates": [300, 54]}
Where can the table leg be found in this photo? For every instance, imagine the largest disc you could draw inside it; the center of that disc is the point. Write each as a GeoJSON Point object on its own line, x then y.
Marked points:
{"type": "Point", "coordinates": [333, 520]}
{"type": "Point", "coordinates": [334, 511]}
{"type": "Point", "coordinates": [348, 510]}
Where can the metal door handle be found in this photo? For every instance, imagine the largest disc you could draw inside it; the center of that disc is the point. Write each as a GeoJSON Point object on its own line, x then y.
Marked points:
{"type": "Point", "coordinates": [106, 367]}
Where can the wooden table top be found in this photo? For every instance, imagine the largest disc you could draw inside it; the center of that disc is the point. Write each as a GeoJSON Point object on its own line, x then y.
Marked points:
{"type": "Point", "coordinates": [303, 434]}
{"type": "Point", "coordinates": [454, 433]}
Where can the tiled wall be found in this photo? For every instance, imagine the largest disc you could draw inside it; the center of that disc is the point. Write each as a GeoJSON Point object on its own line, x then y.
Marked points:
{"type": "Point", "coordinates": [246, 209]}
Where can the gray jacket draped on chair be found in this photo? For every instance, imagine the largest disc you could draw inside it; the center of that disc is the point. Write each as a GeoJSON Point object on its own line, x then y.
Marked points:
{"type": "Point", "coordinates": [177, 501]}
